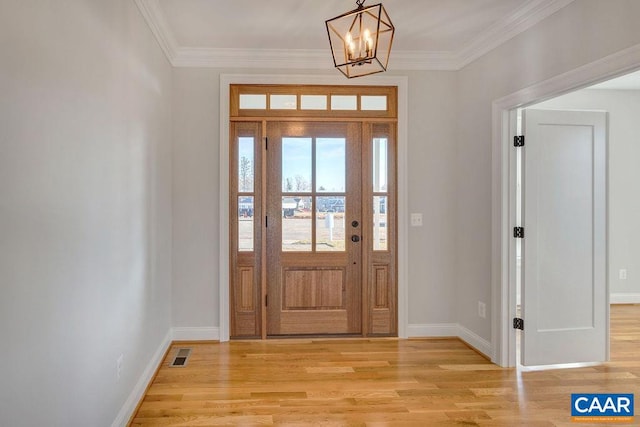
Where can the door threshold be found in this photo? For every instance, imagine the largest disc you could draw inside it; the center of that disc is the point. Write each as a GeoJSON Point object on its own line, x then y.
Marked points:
{"type": "Point", "coordinates": [326, 336]}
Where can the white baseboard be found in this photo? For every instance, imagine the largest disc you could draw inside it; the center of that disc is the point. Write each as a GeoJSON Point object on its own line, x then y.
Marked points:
{"type": "Point", "coordinates": [141, 386]}
{"type": "Point", "coordinates": [174, 334]}
{"type": "Point", "coordinates": [432, 330]}
{"type": "Point", "coordinates": [625, 298]}
{"type": "Point", "coordinates": [475, 341]}
{"type": "Point", "coordinates": [203, 333]}
{"type": "Point", "coordinates": [414, 331]}
{"type": "Point", "coordinates": [450, 330]}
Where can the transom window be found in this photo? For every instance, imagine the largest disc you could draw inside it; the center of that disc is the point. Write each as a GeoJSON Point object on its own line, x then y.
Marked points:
{"type": "Point", "coordinates": [313, 101]}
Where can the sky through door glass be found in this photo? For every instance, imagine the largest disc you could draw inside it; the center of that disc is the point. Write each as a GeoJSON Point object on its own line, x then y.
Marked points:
{"type": "Point", "coordinates": [296, 165]}
{"type": "Point", "coordinates": [330, 164]}
{"type": "Point", "coordinates": [245, 164]}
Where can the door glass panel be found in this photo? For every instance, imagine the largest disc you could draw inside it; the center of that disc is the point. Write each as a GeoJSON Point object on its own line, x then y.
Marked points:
{"type": "Point", "coordinates": [330, 164]}
{"type": "Point", "coordinates": [330, 228]}
{"type": "Point", "coordinates": [296, 165]}
{"type": "Point", "coordinates": [380, 165]}
{"type": "Point", "coordinates": [296, 224]}
{"type": "Point", "coordinates": [245, 224]}
{"type": "Point", "coordinates": [245, 164]}
{"type": "Point", "coordinates": [313, 102]}
{"type": "Point", "coordinates": [380, 224]}
{"type": "Point", "coordinates": [331, 204]}
{"type": "Point", "coordinates": [253, 102]}
{"type": "Point", "coordinates": [283, 102]}
{"type": "Point", "coordinates": [373, 103]}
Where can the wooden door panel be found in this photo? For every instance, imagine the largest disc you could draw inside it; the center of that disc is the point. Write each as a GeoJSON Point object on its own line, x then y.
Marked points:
{"type": "Point", "coordinates": [381, 301]}
{"type": "Point", "coordinates": [311, 289]}
{"type": "Point", "coordinates": [246, 289]}
{"type": "Point", "coordinates": [380, 286]}
{"type": "Point", "coordinates": [305, 322]}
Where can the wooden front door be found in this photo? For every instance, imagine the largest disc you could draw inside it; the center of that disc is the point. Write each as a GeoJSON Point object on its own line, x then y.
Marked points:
{"type": "Point", "coordinates": [314, 237]}
{"type": "Point", "coordinates": [312, 211]}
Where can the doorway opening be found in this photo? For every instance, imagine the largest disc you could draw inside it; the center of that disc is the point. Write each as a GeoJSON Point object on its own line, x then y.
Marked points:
{"type": "Point", "coordinates": [505, 119]}
{"type": "Point", "coordinates": [619, 100]}
{"type": "Point", "coordinates": [313, 211]}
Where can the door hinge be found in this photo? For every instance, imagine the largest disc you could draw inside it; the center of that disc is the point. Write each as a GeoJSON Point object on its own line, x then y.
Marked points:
{"type": "Point", "coordinates": [266, 221]}
{"type": "Point", "coordinates": [266, 143]}
{"type": "Point", "coordinates": [518, 323]}
{"type": "Point", "coordinates": [518, 141]}
{"type": "Point", "coordinates": [266, 300]}
{"type": "Point", "coordinates": [518, 232]}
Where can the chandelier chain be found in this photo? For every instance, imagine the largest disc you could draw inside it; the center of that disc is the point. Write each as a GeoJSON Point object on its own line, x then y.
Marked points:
{"type": "Point", "coordinates": [360, 3]}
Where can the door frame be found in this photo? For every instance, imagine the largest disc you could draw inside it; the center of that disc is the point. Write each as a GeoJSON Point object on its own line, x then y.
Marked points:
{"type": "Point", "coordinates": [503, 337]}
{"type": "Point", "coordinates": [402, 83]}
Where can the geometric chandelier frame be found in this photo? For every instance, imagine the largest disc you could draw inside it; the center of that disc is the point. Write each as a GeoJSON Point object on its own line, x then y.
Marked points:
{"type": "Point", "coordinates": [361, 40]}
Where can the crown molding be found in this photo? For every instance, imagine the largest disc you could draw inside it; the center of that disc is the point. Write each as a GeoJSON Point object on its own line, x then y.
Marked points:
{"type": "Point", "coordinates": [316, 59]}
{"type": "Point", "coordinates": [154, 17]}
{"type": "Point", "coordinates": [522, 19]}
{"type": "Point", "coordinates": [252, 58]}
{"type": "Point", "coordinates": [423, 60]}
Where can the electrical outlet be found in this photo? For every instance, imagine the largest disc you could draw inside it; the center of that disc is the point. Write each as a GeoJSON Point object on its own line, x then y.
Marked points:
{"type": "Point", "coordinates": [482, 309]}
{"type": "Point", "coordinates": [623, 274]}
{"type": "Point", "coordinates": [416, 220]}
{"type": "Point", "coordinates": [119, 365]}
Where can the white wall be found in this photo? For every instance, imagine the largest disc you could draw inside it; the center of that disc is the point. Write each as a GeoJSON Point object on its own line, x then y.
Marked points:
{"type": "Point", "coordinates": [432, 178]}
{"type": "Point", "coordinates": [623, 107]}
{"type": "Point", "coordinates": [85, 208]}
{"type": "Point", "coordinates": [432, 183]}
{"type": "Point", "coordinates": [582, 32]}
{"type": "Point", "coordinates": [196, 256]}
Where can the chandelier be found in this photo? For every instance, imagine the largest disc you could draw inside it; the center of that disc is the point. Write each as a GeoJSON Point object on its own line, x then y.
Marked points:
{"type": "Point", "coordinates": [361, 40]}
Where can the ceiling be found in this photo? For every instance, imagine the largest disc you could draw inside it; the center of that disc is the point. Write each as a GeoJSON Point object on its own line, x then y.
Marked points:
{"type": "Point", "coordinates": [430, 34]}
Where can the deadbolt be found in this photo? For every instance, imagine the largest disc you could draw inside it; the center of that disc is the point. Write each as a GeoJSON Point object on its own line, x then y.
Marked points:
{"type": "Point", "coordinates": [354, 224]}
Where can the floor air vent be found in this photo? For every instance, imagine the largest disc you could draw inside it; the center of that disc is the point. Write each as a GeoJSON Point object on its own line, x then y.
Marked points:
{"type": "Point", "coordinates": [181, 358]}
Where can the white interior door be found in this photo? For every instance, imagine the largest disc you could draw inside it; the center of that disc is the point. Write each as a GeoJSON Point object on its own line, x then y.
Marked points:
{"type": "Point", "coordinates": [565, 292]}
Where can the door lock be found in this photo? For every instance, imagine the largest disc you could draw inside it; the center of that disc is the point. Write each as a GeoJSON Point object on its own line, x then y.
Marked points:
{"type": "Point", "coordinates": [354, 224]}
{"type": "Point", "coordinates": [355, 238]}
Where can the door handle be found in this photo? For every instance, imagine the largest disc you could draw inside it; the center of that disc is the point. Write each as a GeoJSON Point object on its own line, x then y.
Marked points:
{"type": "Point", "coordinates": [355, 238]}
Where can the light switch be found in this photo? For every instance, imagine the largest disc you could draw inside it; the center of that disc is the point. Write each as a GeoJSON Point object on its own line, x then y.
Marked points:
{"type": "Point", "coordinates": [416, 220]}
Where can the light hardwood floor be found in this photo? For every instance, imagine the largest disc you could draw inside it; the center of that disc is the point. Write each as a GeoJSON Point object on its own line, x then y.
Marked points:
{"type": "Point", "coordinates": [378, 382]}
